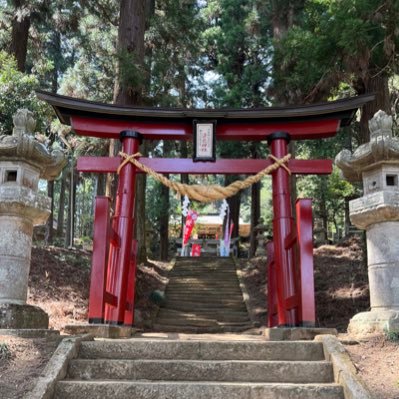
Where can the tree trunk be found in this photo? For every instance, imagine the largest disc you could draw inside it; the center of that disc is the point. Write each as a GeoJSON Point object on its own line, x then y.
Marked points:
{"type": "Point", "coordinates": [50, 220]}
{"type": "Point", "coordinates": [140, 218]}
{"type": "Point", "coordinates": [234, 204]}
{"type": "Point", "coordinates": [164, 222]}
{"type": "Point", "coordinates": [100, 190]}
{"type": "Point", "coordinates": [56, 60]}
{"type": "Point", "coordinates": [185, 179]}
{"type": "Point", "coordinates": [323, 209]}
{"type": "Point", "coordinates": [164, 213]}
{"type": "Point", "coordinates": [379, 86]}
{"type": "Point", "coordinates": [255, 215]}
{"type": "Point", "coordinates": [20, 33]}
{"type": "Point", "coordinates": [130, 43]}
{"type": "Point", "coordinates": [61, 205]}
{"type": "Point", "coordinates": [70, 230]}
{"type": "Point", "coordinates": [255, 209]}
{"type": "Point", "coordinates": [132, 23]}
{"type": "Point", "coordinates": [291, 150]}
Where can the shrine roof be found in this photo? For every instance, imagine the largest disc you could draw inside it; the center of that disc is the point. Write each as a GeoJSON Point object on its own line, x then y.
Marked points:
{"type": "Point", "coordinates": [344, 109]}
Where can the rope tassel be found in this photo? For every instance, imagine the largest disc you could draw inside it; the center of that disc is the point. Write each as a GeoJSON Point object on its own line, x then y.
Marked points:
{"type": "Point", "coordinates": [205, 193]}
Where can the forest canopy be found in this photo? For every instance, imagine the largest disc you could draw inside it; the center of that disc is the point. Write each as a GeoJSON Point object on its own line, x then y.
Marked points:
{"type": "Point", "coordinates": [196, 53]}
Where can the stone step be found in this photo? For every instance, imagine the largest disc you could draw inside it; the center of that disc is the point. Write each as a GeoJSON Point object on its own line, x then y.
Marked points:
{"type": "Point", "coordinates": [204, 284]}
{"type": "Point", "coordinates": [187, 321]}
{"type": "Point", "coordinates": [215, 292]}
{"type": "Point", "coordinates": [220, 329]}
{"type": "Point", "coordinates": [194, 390]}
{"type": "Point", "coordinates": [222, 271]}
{"type": "Point", "coordinates": [210, 273]}
{"type": "Point", "coordinates": [203, 322]}
{"type": "Point", "coordinates": [204, 289]}
{"type": "Point", "coordinates": [169, 314]}
{"type": "Point", "coordinates": [195, 281]}
{"type": "Point", "coordinates": [204, 259]}
{"type": "Point", "coordinates": [194, 306]}
{"type": "Point", "coordinates": [205, 299]}
{"type": "Point", "coordinates": [142, 348]}
{"type": "Point", "coordinates": [206, 312]}
{"type": "Point", "coordinates": [200, 370]}
{"type": "Point", "coordinates": [209, 276]}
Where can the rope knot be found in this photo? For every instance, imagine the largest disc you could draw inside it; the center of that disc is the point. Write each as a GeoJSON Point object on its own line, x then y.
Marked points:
{"type": "Point", "coordinates": [127, 159]}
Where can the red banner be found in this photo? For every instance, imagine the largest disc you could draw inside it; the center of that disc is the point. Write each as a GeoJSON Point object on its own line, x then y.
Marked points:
{"type": "Point", "coordinates": [196, 250]}
{"type": "Point", "coordinates": [188, 228]}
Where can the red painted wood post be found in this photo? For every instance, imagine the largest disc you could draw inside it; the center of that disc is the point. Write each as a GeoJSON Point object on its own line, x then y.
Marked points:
{"type": "Point", "coordinates": [271, 286]}
{"type": "Point", "coordinates": [131, 288]}
{"type": "Point", "coordinates": [101, 238]}
{"type": "Point", "coordinates": [124, 225]}
{"type": "Point", "coordinates": [112, 268]}
{"type": "Point", "coordinates": [282, 224]}
{"type": "Point", "coordinates": [305, 246]}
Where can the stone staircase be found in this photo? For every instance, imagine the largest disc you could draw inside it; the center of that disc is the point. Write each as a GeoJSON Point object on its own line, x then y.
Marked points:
{"type": "Point", "coordinates": [199, 369]}
{"type": "Point", "coordinates": [203, 296]}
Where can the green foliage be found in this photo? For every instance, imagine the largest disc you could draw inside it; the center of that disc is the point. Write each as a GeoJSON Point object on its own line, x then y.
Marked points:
{"type": "Point", "coordinates": [5, 352]}
{"type": "Point", "coordinates": [17, 90]}
{"type": "Point", "coordinates": [336, 41]}
{"type": "Point", "coordinates": [237, 47]}
{"type": "Point", "coordinates": [392, 336]}
{"type": "Point", "coordinates": [172, 48]}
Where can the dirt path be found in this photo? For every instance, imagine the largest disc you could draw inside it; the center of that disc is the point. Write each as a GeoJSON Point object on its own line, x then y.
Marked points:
{"type": "Point", "coordinates": [21, 362]}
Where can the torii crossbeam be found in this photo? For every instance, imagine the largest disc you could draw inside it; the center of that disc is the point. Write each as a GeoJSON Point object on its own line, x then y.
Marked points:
{"type": "Point", "coordinates": [291, 287]}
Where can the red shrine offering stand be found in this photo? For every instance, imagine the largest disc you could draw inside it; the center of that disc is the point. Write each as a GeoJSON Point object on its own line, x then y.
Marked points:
{"type": "Point", "coordinates": [290, 255]}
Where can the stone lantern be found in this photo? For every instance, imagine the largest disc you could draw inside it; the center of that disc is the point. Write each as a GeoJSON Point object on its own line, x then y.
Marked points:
{"type": "Point", "coordinates": [23, 161]}
{"type": "Point", "coordinates": [377, 212]}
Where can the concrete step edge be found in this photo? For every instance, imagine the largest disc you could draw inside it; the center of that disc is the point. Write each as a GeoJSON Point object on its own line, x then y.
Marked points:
{"type": "Point", "coordinates": [199, 390]}
{"type": "Point", "coordinates": [202, 349]}
{"type": "Point", "coordinates": [197, 370]}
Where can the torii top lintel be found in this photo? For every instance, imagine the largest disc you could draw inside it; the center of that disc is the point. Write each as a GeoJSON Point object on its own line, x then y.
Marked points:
{"type": "Point", "coordinates": [314, 121]}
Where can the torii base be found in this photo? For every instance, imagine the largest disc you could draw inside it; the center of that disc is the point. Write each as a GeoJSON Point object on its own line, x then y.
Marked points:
{"type": "Point", "coordinates": [374, 322]}
{"type": "Point", "coordinates": [296, 333]}
{"type": "Point", "coordinates": [100, 330]}
{"type": "Point", "coordinates": [22, 316]}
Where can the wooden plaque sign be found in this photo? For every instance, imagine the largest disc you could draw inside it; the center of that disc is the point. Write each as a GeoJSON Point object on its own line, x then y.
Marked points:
{"type": "Point", "coordinates": [204, 135]}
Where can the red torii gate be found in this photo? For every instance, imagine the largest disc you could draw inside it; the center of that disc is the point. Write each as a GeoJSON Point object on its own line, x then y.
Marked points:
{"type": "Point", "coordinates": [290, 255]}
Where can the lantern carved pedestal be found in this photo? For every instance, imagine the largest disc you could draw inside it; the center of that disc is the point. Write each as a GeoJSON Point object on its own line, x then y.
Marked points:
{"type": "Point", "coordinates": [377, 212]}
{"type": "Point", "coordinates": [23, 161]}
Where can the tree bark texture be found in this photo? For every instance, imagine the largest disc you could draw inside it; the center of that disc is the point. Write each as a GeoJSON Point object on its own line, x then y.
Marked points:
{"type": "Point", "coordinates": [164, 210]}
{"type": "Point", "coordinates": [132, 25]}
{"type": "Point", "coordinates": [130, 42]}
{"type": "Point", "coordinates": [323, 209]}
{"type": "Point", "coordinates": [50, 220]}
{"type": "Point", "coordinates": [70, 230]}
{"type": "Point", "coordinates": [20, 33]}
{"type": "Point", "coordinates": [379, 86]}
{"type": "Point", "coordinates": [139, 211]}
{"type": "Point", "coordinates": [255, 215]}
{"type": "Point", "coordinates": [185, 179]}
{"type": "Point", "coordinates": [234, 204]}
{"type": "Point", "coordinates": [61, 205]}
{"type": "Point", "coordinates": [255, 208]}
